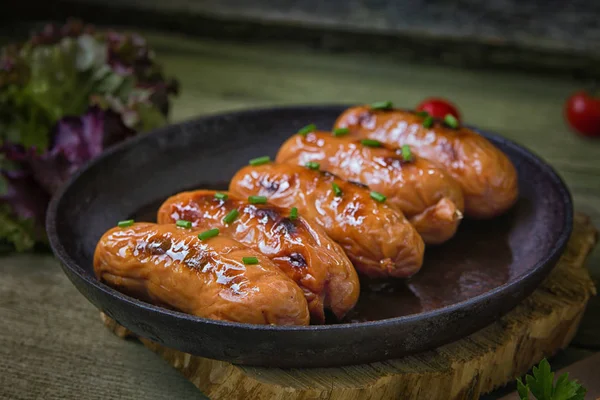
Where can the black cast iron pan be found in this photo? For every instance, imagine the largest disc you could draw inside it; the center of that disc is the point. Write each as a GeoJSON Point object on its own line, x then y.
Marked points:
{"type": "Point", "coordinates": [465, 284]}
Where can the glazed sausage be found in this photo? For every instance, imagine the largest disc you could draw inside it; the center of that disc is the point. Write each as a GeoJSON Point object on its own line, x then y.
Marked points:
{"type": "Point", "coordinates": [377, 238]}
{"type": "Point", "coordinates": [170, 267]}
{"type": "Point", "coordinates": [486, 175]}
{"type": "Point", "coordinates": [427, 195]}
{"type": "Point", "coordinates": [300, 249]}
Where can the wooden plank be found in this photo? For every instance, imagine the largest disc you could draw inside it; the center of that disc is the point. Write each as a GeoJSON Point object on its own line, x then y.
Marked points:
{"type": "Point", "coordinates": [498, 33]}
{"type": "Point", "coordinates": [545, 322]}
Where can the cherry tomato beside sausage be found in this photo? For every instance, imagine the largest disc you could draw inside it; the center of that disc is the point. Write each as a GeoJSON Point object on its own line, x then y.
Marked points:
{"type": "Point", "coordinates": [583, 113]}
{"type": "Point", "coordinates": [438, 107]}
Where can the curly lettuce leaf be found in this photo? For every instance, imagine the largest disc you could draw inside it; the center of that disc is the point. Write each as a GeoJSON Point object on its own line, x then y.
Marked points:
{"type": "Point", "coordinates": [22, 210]}
{"type": "Point", "coordinates": [65, 96]}
{"type": "Point", "coordinates": [15, 234]}
{"type": "Point", "coordinates": [62, 78]}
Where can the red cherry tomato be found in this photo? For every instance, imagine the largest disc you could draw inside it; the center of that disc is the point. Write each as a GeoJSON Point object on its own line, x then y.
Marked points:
{"type": "Point", "coordinates": [438, 107]}
{"type": "Point", "coordinates": [583, 113]}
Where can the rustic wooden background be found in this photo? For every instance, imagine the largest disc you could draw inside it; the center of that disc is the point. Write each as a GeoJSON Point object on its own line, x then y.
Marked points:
{"type": "Point", "coordinates": [52, 344]}
{"type": "Point", "coordinates": [553, 35]}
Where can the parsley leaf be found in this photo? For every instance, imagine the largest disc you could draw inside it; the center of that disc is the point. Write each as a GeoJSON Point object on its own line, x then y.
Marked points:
{"type": "Point", "coordinates": [565, 389]}
{"type": "Point", "coordinates": [542, 387]}
{"type": "Point", "coordinates": [540, 384]}
{"type": "Point", "coordinates": [522, 390]}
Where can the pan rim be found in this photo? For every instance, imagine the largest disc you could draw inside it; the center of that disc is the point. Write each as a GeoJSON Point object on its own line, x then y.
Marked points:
{"type": "Point", "coordinates": [543, 266]}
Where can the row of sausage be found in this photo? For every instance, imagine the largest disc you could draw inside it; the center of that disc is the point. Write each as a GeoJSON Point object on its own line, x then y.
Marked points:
{"type": "Point", "coordinates": [285, 243]}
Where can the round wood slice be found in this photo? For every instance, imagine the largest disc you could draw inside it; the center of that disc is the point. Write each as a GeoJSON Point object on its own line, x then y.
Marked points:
{"type": "Point", "coordinates": [543, 324]}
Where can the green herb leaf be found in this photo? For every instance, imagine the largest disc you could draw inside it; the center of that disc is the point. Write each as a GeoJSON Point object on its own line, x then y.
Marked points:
{"type": "Point", "coordinates": [257, 199]}
{"type": "Point", "coordinates": [542, 387]}
{"type": "Point", "coordinates": [231, 216]}
{"type": "Point", "coordinates": [378, 196]}
{"type": "Point", "coordinates": [451, 121]}
{"type": "Point", "coordinates": [313, 165]}
{"type": "Point", "coordinates": [523, 390]}
{"type": "Point", "coordinates": [183, 223]}
{"type": "Point", "coordinates": [250, 260]}
{"type": "Point", "coordinates": [427, 122]}
{"type": "Point", "coordinates": [336, 189]}
{"type": "Point", "coordinates": [370, 143]}
{"type": "Point", "coordinates": [382, 105]}
{"type": "Point", "coordinates": [564, 390]}
{"type": "Point", "coordinates": [307, 129]}
{"type": "Point", "coordinates": [260, 160]}
{"type": "Point", "coordinates": [337, 132]}
{"type": "Point", "coordinates": [541, 382]}
{"type": "Point", "coordinates": [125, 224]}
{"type": "Point", "coordinates": [580, 395]}
{"type": "Point", "coordinates": [422, 114]}
{"type": "Point", "coordinates": [294, 213]}
{"type": "Point", "coordinates": [221, 196]}
{"type": "Point", "coordinates": [208, 234]}
{"type": "Point", "coordinates": [406, 153]}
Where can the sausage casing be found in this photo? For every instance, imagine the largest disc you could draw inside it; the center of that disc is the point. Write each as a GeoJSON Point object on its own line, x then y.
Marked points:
{"type": "Point", "coordinates": [377, 238]}
{"type": "Point", "coordinates": [427, 195]}
{"type": "Point", "coordinates": [300, 249]}
{"type": "Point", "coordinates": [487, 176]}
{"type": "Point", "coordinates": [169, 266]}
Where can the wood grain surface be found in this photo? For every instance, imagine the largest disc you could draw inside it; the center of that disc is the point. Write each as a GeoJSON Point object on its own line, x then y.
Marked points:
{"type": "Point", "coordinates": [51, 344]}
{"type": "Point", "coordinates": [553, 37]}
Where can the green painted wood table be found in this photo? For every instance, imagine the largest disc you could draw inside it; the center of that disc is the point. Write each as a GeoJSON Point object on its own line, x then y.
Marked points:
{"type": "Point", "coordinates": [52, 344]}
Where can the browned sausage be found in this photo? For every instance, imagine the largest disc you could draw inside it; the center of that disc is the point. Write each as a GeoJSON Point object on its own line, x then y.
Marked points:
{"type": "Point", "coordinates": [428, 196]}
{"type": "Point", "coordinates": [170, 267]}
{"type": "Point", "coordinates": [377, 238]}
{"type": "Point", "coordinates": [486, 175]}
{"type": "Point", "coordinates": [300, 249]}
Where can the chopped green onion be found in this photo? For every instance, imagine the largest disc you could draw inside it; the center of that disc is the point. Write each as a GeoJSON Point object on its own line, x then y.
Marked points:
{"type": "Point", "coordinates": [422, 114]}
{"type": "Point", "coordinates": [406, 153]}
{"type": "Point", "coordinates": [336, 189]}
{"type": "Point", "coordinates": [382, 105]}
{"type": "Point", "coordinates": [257, 199]}
{"type": "Point", "coordinates": [294, 213]}
{"type": "Point", "coordinates": [378, 196]}
{"type": "Point", "coordinates": [250, 260]}
{"type": "Point", "coordinates": [125, 224]}
{"type": "Point", "coordinates": [260, 160]}
{"type": "Point", "coordinates": [307, 129]}
{"type": "Point", "coordinates": [371, 143]}
{"type": "Point", "coordinates": [221, 196]}
{"type": "Point", "coordinates": [451, 121]}
{"type": "Point", "coordinates": [428, 122]}
{"type": "Point", "coordinates": [341, 131]}
{"type": "Point", "coordinates": [313, 165]}
{"type": "Point", "coordinates": [208, 234]}
{"type": "Point", "coordinates": [182, 223]}
{"type": "Point", "coordinates": [231, 216]}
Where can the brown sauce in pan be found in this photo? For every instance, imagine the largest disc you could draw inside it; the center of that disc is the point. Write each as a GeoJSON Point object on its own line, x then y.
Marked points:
{"type": "Point", "coordinates": [477, 260]}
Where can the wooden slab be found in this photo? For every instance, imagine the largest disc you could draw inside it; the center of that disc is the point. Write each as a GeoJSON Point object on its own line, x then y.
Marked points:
{"type": "Point", "coordinates": [543, 324]}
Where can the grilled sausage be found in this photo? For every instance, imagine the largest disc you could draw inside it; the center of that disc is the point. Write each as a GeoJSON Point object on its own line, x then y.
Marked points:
{"type": "Point", "coordinates": [428, 196]}
{"type": "Point", "coordinates": [169, 266]}
{"type": "Point", "coordinates": [486, 175]}
{"type": "Point", "coordinates": [300, 249]}
{"type": "Point", "coordinates": [377, 238]}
